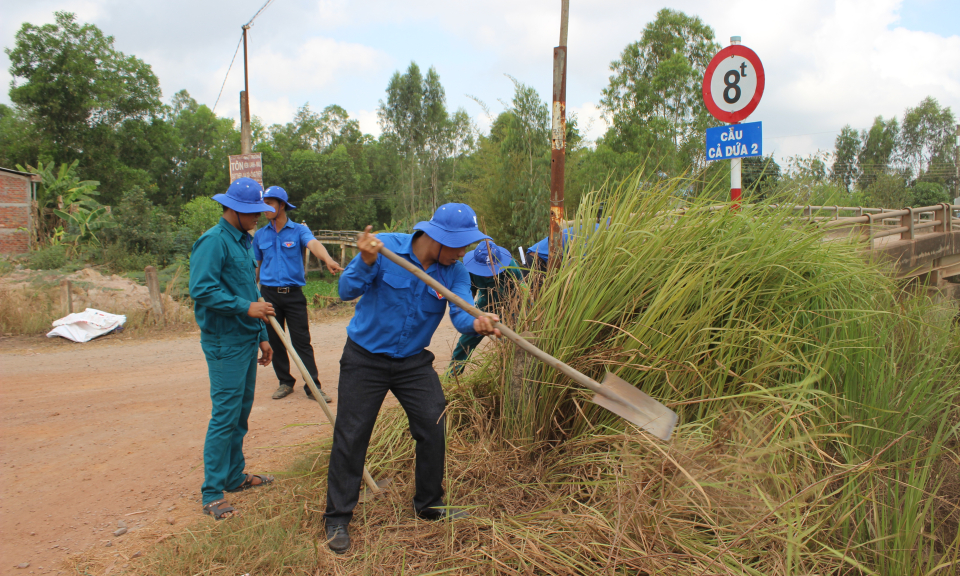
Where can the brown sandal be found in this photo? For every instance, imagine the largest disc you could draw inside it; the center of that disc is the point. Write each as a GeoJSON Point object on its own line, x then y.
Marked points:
{"type": "Point", "coordinates": [218, 509]}
{"type": "Point", "coordinates": [248, 482]}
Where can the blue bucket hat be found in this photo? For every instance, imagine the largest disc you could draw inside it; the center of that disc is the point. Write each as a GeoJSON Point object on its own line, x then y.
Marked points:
{"type": "Point", "coordinates": [483, 263]}
{"type": "Point", "coordinates": [542, 248]}
{"type": "Point", "coordinates": [453, 225]}
{"type": "Point", "coordinates": [245, 196]}
{"type": "Point", "coordinates": [280, 194]}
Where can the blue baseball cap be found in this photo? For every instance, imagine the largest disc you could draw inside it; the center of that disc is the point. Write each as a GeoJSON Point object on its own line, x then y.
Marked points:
{"type": "Point", "coordinates": [453, 225]}
{"type": "Point", "coordinates": [484, 263]}
{"type": "Point", "coordinates": [280, 194]}
{"type": "Point", "coordinates": [245, 196]}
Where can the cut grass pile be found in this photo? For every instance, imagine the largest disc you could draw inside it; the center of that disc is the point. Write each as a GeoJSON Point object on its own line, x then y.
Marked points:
{"type": "Point", "coordinates": [818, 423]}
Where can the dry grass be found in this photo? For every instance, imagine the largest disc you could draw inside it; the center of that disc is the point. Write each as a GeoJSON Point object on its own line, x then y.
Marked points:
{"type": "Point", "coordinates": [32, 310]}
{"type": "Point", "coordinates": [819, 427]}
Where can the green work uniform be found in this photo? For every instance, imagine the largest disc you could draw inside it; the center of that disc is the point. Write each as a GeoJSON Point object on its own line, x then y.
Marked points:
{"type": "Point", "coordinates": [493, 291]}
{"type": "Point", "coordinates": [222, 285]}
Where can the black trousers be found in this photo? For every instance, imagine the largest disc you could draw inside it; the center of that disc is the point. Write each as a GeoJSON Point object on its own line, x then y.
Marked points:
{"type": "Point", "coordinates": [365, 379]}
{"type": "Point", "coordinates": [291, 308]}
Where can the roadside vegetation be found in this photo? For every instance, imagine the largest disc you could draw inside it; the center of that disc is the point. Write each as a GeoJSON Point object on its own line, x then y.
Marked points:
{"type": "Point", "coordinates": [818, 422]}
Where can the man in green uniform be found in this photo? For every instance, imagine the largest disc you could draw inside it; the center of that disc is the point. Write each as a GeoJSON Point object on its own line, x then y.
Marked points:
{"type": "Point", "coordinates": [224, 293]}
{"type": "Point", "coordinates": [495, 275]}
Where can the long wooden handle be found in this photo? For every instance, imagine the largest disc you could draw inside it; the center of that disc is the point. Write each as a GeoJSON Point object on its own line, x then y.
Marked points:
{"type": "Point", "coordinates": [513, 336]}
{"type": "Point", "coordinates": [367, 478]}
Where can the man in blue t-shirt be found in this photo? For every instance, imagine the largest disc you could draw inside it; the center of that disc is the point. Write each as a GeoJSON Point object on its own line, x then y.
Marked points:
{"type": "Point", "coordinates": [278, 249]}
{"type": "Point", "coordinates": [386, 351]}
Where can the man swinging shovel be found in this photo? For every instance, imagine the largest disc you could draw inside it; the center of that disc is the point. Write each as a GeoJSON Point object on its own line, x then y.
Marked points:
{"type": "Point", "coordinates": [385, 351]}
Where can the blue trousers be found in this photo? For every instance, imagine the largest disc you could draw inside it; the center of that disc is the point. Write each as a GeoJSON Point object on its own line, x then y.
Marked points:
{"type": "Point", "coordinates": [233, 378]}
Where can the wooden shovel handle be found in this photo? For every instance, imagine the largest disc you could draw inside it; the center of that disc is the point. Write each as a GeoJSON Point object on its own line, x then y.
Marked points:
{"type": "Point", "coordinates": [367, 478]}
{"type": "Point", "coordinates": [513, 336]}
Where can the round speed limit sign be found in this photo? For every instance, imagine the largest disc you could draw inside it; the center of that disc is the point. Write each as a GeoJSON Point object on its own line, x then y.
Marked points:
{"type": "Point", "coordinates": [733, 83]}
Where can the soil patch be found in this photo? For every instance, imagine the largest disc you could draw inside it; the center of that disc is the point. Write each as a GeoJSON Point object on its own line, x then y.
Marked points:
{"type": "Point", "coordinates": [112, 430]}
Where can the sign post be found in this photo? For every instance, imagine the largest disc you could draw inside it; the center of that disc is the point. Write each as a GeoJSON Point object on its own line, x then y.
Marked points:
{"type": "Point", "coordinates": [246, 165]}
{"type": "Point", "coordinates": [732, 87]}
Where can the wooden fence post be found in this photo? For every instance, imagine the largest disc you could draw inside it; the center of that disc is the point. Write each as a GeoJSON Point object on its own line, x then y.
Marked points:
{"type": "Point", "coordinates": [66, 297]}
{"type": "Point", "coordinates": [153, 286]}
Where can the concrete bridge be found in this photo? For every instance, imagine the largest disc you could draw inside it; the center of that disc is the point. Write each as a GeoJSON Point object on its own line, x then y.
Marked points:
{"type": "Point", "coordinates": [921, 243]}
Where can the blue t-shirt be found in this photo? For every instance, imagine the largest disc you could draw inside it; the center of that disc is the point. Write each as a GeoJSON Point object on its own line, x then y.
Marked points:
{"type": "Point", "coordinates": [281, 254]}
{"type": "Point", "coordinates": [398, 313]}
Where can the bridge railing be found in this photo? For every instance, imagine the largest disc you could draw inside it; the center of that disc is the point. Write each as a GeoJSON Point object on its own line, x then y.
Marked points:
{"type": "Point", "coordinates": [905, 222]}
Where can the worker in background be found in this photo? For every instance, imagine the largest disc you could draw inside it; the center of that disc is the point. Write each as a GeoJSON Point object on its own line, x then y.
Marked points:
{"type": "Point", "coordinates": [386, 351]}
{"type": "Point", "coordinates": [224, 292]}
{"type": "Point", "coordinates": [278, 249]}
{"type": "Point", "coordinates": [538, 254]}
{"type": "Point", "coordinates": [495, 276]}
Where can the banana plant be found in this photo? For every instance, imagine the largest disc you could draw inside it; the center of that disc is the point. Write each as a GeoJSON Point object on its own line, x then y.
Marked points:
{"type": "Point", "coordinates": [84, 221]}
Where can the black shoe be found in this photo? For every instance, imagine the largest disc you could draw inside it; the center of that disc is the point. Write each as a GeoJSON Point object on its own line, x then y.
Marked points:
{"type": "Point", "coordinates": [323, 395]}
{"type": "Point", "coordinates": [338, 537]}
{"type": "Point", "coordinates": [435, 514]}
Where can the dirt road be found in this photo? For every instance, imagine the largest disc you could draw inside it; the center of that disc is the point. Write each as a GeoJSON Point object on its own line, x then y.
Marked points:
{"type": "Point", "coordinates": [92, 434]}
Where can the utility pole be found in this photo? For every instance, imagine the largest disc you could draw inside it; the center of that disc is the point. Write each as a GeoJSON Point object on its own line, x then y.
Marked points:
{"type": "Point", "coordinates": [245, 147]}
{"type": "Point", "coordinates": [558, 140]}
{"type": "Point", "coordinates": [956, 167]}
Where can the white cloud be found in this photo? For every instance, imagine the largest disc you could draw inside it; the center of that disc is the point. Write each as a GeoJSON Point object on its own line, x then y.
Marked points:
{"type": "Point", "coordinates": [369, 124]}
{"type": "Point", "coordinates": [828, 62]}
{"type": "Point", "coordinates": [316, 64]}
{"type": "Point", "coordinates": [589, 120]}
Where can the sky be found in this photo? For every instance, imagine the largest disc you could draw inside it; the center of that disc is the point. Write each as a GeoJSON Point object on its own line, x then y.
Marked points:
{"type": "Point", "coordinates": [828, 63]}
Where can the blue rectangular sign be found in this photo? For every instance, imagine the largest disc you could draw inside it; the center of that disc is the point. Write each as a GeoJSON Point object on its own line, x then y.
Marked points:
{"type": "Point", "coordinates": [734, 141]}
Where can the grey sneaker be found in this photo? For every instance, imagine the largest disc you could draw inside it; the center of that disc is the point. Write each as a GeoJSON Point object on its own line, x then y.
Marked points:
{"type": "Point", "coordinates": [338, 537]}
{"type": "Point", "coordinates": [282, 392]}
{"type": "Point", "coordinates": [323, 394]}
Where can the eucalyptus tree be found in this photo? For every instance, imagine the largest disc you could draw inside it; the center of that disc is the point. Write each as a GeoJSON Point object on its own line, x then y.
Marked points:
{"type": "Point", "coordinates": [654, 100]}
{"type": "Point", "coordinates": [414, 117]}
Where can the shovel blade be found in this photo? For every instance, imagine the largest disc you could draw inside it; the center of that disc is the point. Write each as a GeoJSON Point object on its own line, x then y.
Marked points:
{"type": "Point", "coordinates": [366, 495]}
{"type": "Point", "coordinates": [640, 408]}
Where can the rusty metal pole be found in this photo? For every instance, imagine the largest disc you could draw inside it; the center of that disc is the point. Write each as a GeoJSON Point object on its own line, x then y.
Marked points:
{"type": "Point", "coordinates": [558, 140]}
{"type": "Point", "coordinates": [245, 145]}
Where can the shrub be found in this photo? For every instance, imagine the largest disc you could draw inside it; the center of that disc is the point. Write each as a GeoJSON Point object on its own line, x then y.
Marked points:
{"type": "Point", "coordinates": [144, 228]}
{"type": "Point", "coordinates": [927, 194]}
{"type": "Point", "coordinates": [199, 215]}
{"type": "Point", "coordinates": [48, 258]}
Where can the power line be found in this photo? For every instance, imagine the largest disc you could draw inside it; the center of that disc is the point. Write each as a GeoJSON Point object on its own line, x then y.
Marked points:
{"type": "Point", "coordinates": [235, 52]}
{"type": "Point", "coordinates": [262, 8]}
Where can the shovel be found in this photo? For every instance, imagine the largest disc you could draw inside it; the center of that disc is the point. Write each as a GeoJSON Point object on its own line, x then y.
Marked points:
{"type": "Point", "coordinates": [373, 487]}
{"type": "Point", "coordinates": [614, 394]}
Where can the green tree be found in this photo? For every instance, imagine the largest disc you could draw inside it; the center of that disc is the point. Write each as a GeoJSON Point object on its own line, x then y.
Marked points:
{"type": "Point", "coordinates": [926, 140]}
{"type": "Point", "coordinates": [759, 176]}
{"type": "Point", "coordinates": [72, 83]}
{"type": "Point", "coordinates": [200, 215]}
{"type": "Point", "coordinates": [654, 100]}
{"type": "Point", "coordinates": [20, 143]}
{"type": "Point", "coordinates": [876, 153]}
{"type": "Point", "coordinates": [202, 144]}
{"type": "Point", "coordinates": [846, 149]}
{"type": "Point", "coordinates": [927, 194]}
{"type": "Point", "coordinates": [511, 183]}
{"type": "Point", "coordinates": [888, 191]}
{"type": "Point", "coordinates": [414, 117]}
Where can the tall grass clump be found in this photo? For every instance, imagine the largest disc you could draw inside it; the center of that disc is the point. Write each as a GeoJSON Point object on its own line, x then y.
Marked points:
{"type": "Point", "coordinates": [818, 422]}
{"type": "Point", "coordinates": [725, 314]}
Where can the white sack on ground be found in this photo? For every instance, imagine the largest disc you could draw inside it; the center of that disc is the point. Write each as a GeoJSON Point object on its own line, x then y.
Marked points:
{"type": "Point", "coordinates": [87, 325]}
